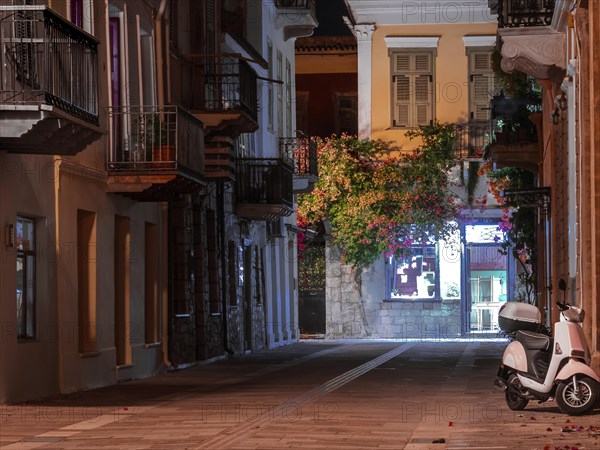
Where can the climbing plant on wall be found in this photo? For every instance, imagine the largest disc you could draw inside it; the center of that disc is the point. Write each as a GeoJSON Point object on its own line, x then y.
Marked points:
{"type": "Point", "coordinates": [378, 204]}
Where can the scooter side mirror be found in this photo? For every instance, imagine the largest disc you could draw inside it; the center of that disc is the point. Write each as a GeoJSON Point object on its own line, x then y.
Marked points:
{"type": "Point", "coordinates": [562, 285]}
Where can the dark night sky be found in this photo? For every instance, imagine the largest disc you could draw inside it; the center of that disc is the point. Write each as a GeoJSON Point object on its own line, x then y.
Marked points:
{"type": "Point", "coordinates": [329, 16]}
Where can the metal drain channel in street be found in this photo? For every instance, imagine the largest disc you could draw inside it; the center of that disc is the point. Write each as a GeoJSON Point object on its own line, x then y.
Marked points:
{"type": "Point", "coordinates": [234, 434]}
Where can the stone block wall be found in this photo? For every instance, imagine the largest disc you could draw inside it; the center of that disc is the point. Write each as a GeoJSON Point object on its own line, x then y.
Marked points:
{"type": "Point", "coordinates": [357, 307]}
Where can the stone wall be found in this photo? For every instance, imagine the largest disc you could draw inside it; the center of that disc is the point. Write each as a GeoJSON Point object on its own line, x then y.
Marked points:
{"type": "Point", "coordinates": [357, 307]}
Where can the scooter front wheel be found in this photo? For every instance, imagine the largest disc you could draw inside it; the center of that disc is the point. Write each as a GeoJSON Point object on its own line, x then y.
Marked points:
{"type": "Point", "coordinates": [514, 400]}
{"type": "Point", "coordinates": [577, 400]}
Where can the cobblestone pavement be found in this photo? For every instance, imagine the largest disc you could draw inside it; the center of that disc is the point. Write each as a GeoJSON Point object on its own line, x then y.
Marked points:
{"type": "Point", "coordinates": [347, 394]}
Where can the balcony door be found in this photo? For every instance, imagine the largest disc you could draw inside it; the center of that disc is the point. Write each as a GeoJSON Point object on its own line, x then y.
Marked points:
{"type": "Point", "coordinates": [114, 33]}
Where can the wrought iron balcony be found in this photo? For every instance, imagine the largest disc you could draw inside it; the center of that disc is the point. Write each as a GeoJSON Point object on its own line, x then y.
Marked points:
{"type": "Point", "coordinates": [524, 13]}
{"type": "Point", "coordinates": [302, 153]}
{"type": "Point", "coordinates": [518, 144]}
{"type": "Point", "coordinates": [264, 188]}
{"type": "Point", "coordinates": [48, 82]}
{"type": "Point", "coordinates": [471, 140]}
{"type": "Point", "coordinates": [155, 151]}
{"type": "Point", "coordinates": [296, 17]}
{"type": "Point", "coordinates": [221, 91]}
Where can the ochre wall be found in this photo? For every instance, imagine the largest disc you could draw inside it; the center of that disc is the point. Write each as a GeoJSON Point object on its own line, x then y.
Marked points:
{"type": "Point", "coordinates": [451, 75]}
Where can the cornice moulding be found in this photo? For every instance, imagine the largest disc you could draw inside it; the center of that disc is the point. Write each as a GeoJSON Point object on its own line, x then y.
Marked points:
{"type": "Point", "coordinates": [411, 42]}
{"type": "Point", "coordinates": [479, 41]}
{"type": "Point", "coordinates": [399, 12]}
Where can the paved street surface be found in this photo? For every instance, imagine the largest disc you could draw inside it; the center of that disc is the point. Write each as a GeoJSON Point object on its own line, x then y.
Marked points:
{"type": "Point", "coordinates": [312, 395]}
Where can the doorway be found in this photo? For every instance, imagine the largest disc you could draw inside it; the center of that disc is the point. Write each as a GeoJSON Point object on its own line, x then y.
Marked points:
{"type": "Point", "coordinates": [487, 278]}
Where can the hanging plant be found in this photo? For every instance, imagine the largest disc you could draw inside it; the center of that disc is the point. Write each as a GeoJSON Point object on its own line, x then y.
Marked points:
{"type": "Point", "coordinates": [517, 224]}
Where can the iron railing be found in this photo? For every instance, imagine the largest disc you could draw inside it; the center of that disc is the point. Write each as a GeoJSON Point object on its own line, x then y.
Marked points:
{"type": "Point", "coordinates": [265, 181]}
{"type": "Point", "coordinates": [524, 13]}
{"type": "Point", "coordinates": [301, 4]}
{"type": "Point", "coordinates": [219, 84]}
{"type": "Point", "coordinates": [155, 138]}
{"type": "Point", "coordinates": [302, 152]}
{"type": "Point", "coordinates": [45, 59]}
{"type": "Point", "coordinates": [471, 140]}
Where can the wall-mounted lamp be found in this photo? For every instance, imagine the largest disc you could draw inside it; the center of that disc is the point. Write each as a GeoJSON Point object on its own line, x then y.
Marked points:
{"type": "Point", "coordinates": [562, 102]}
{"type": "Point", "coordinates": [555, 117]}
{"type": "Point", "coordinates": [9, 235]}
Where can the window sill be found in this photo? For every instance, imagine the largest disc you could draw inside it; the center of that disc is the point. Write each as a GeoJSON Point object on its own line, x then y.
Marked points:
{"type": "Point", "coordinates": [89, 354]}
{"type": "Point", "coordinates": [413, 300]}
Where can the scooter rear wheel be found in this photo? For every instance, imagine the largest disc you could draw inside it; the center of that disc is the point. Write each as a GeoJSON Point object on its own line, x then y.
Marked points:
{"type": "Point", "coordinates": [577, 404]}
{"type": "Point", "coordinates": [513, 400]}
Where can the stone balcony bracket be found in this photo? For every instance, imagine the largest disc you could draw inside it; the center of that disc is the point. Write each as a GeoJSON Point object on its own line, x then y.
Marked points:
{"type": "Point", "coordinates": [538, 52]}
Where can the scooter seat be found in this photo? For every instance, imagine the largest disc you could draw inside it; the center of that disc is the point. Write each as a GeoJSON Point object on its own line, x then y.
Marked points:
{"type": "Point", "coordinates": [533, 341]}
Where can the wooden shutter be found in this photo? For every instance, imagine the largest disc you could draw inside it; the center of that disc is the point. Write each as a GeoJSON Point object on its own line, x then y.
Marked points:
{"type": "Point", "coordinates": [480, 93]}
{"type": "Point", "coordinates": [347, 114]}
{"type": "Point", "coordinates": [402, 100]}
{"type": "Point", "coordinates": [413, 89]}
{"type": "Point", "coordinates": [423, 96]}
{"type": "Point", "coordinates": [270, 97]}
{"type": "Point", "coordinates": [481, 85]}
{"type": "Point", "coordinates": [401, 63]}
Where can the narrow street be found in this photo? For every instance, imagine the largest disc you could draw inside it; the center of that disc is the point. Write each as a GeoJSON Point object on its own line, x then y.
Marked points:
{"type": "Point", "coordinates": [315, 395]}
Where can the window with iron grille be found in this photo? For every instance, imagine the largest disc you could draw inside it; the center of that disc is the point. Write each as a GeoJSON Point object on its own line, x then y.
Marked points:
{"type": "Point", "coordinates": [412, 88]}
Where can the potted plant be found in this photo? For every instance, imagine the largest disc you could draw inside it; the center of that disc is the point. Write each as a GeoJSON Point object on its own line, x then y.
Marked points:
{"type": "Point", "coordinates": [160, 146]}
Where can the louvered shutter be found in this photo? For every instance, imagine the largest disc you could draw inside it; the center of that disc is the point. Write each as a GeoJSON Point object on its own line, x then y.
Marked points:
{"type": "Point", "coordinates": [413, 89]}
{"type": "Point", "coordinates": [423, 97]}
{"type": "Point", "coordinates": [481, 85]}
{"type": "Point", "coordinates": [481, 91]}
{"type": "Point", "coordinates": [402, 63]}
{"type": "Point", "coordinates": [270, 97]}
{"type": "Point", "coordinates": [402, 100]}
{"type": "Point", "coordinates": [481, 62]}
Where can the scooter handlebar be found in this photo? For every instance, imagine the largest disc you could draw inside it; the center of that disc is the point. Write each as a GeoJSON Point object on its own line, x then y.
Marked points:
{"type": "Point", "coordinates": [562, 306]}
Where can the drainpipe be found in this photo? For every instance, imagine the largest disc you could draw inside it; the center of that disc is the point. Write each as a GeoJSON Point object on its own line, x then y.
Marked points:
{"type": "Point", "coordinates": [160, 96]}
{"type": "Point", "coordinates": [159, 51]}
{"type": "Point", "coordinates": [221, 226]}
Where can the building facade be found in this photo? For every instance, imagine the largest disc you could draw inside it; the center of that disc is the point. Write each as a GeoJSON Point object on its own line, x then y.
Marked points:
{"type": "Point", "coordinates": [416, 65]}
{"type": "Point", "coordinates": [149, 163]}
{"type": "Point", "coordinates": [559, 47]}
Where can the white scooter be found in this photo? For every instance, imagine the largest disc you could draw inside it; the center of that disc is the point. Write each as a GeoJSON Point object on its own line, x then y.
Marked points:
{"type": "Point", "coordinates": [538, 367]}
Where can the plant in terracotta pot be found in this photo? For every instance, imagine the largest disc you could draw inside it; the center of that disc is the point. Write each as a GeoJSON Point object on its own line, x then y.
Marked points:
{"type": "Point", "coordinates": [160, 146]}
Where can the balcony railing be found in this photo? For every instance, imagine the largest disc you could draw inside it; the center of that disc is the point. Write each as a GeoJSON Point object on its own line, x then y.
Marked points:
{"type": "Point", "coordinates": [265, 186]}
{"type": "Point", "coordinates": [471, 140]}
{"type": "Point", "coordinates": [219, 84]}
{"type": "Point", "coordinates": [156, 139]}
{"type": "Point", "coordinates": [45, 59]}
{"type": "Point", "coordinates": [303, 4]}
{"type": "Point", "coordinates": [302, 151]}
{"type": "Point", "coordinates": [525, 13]}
